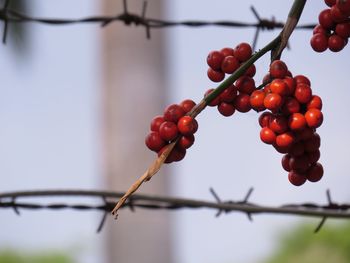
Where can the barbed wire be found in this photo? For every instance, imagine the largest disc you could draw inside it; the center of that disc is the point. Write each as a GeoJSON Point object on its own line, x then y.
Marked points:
{"type": "Point", "coordinates": [8, 15]}
{"type": "Point", "coordinates": [329, 210]}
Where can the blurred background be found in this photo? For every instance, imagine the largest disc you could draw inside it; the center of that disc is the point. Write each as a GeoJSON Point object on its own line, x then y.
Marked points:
{"type": "Point", "coordinates": [75, 106]}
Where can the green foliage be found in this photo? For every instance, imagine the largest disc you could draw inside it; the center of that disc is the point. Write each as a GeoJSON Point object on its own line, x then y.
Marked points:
{"type": "Point", "coordinates": [331, 244]}
{"type": "Point", "coordinates": [15, 257]}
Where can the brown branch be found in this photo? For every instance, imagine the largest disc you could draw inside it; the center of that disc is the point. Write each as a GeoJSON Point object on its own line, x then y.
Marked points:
{"type": "Point", "coordinates": [290, 25]}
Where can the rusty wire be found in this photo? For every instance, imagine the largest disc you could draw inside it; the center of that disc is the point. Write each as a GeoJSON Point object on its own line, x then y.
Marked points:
{"type": "Point", "coordinates": [329, 210]}
{"type": "Point", "coordinates": [8, 15]}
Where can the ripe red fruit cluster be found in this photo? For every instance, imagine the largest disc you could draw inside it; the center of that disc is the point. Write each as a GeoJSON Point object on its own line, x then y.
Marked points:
{"type": "Point", "coordinates": [333, 30]}
{"type": "Point", "coordinates": [235, 97]}
{"type": "Point", "coordinates": [291, 122]}
{"type": "Point", "coordinates": [228, 60]}
{"type": "Point", "coordinates": [172, 125]}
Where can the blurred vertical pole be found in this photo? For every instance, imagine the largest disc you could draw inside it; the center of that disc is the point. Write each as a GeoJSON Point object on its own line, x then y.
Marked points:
{"type": "Point", "coordinates": [133, 92]}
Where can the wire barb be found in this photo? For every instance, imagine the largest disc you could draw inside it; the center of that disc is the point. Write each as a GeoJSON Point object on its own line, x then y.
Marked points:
{"type": "Point", "coordinates": [15, 208]}
{"type": "Point", "coordinates": [245, 201]}
{"type": "Point", "coordinates": [218, 200]}
{"type": "Point", "coordinates": [330, 204]}
{"type": "Point", "coordinates": [257, 30]}
{"type": "Point", "coordinates": [143, 16]}
{"type": "Point", "coordinates": [4, 17]}
{"type": "Point", "coordinates": [104, 217]}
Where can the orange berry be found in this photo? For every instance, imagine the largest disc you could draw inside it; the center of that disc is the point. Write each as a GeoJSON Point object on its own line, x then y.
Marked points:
{"type": "Point", "coordinates": [314, 118]}
{"type": "Point", "coordinates": [257, 100]}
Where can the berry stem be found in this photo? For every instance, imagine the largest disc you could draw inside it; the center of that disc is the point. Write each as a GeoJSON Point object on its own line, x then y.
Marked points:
{"type": "Point", "coordinates": [292, 21]}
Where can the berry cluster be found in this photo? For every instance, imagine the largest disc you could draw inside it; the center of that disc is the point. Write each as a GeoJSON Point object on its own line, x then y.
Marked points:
{"type": "Point", "coordinates": [228, 60]}
{"type": "Point", "coordinates": [333, 30]}
{"type": "Point", "coordinates": [173, 125]}
{"type": "Point", "coordinates": [237, 95]}
{"type": "Point", "coordinates": [291, 122]}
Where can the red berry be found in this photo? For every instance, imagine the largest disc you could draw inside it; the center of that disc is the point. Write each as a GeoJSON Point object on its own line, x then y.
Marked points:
{"type": "Point", "coordinates": [302, 79]}
{"type": "Point", "coordinates": [296, 121]}
{"type": "Point", "coordinates": [168, 131]}
{"type": "Point", "coordinates": [280, 149]}
{"type": "Point", "coordinates": [267, 135]}
{"type": "Point", "coordinates": [297, 149]}
{"type": "Point", "coordinates": [314, 156]}
{"type": "Point", "coordinates": [299, 163]}
{"type": "Point", "coordinates": [187, 125]}
{"type": "Point", "coordinates": [285, 140]}
{"type": "Point", "coordinates": [337, 15]}
{"type": "Point", "coordinates": [315, 173]}
{"type": "Point", "coordinates": [187, 105]}
{"type": "Point", "coordinates": [156, 122]}
{"type": "Point", "coordinates": [325, 19]}
{"type": "Point", "coordinates": [230, 64]}
{"type": "Point", "coordinates": [229, 94]}
{"type": "Point", "coordinates": [226, 109]}
{"type": "Point", "coordinates": [214, 102]}
{"type": "Point", "coordinates": [279, 86]}
{"type": "Point", "coordinates": [314, 118]}
{"type": "Point", "coordinates": [245, 84]}
{"type": "Point", "coordinates": [278, 69]}
{"type": "Point", "coordinates": [296, 178]}
{"type": "Point", "coordinates": [215, 76]}
{"type": "Point", "coordinates": [243, 52]}
{"type": "Point", "coordinates": [251, 71]}
{"type": "Point", "coordinates": [242, 103]}
{"type": "Point", "coordinates": [336, 43]}
{"type": "Point", "coordinates": [278, 124]}
{"type": "Point", "coordinates": [177, 154]}
{"type": "Point", "coordinates": [257, 100]}
{"type": "Point", "coordinates": [154, 142]}
{"type": "Point", "coordinates": [214, 59]}
{"type": "Point", "coordinates": [313, 143]}
{"type": "Point", "coordinates": [343, 30]}
{"type": "Point", "coordinates": [273, 102]}
{"type": "Point", "coordinates": [319, 42]}
{"type": "Point", "coordinates": [285, 162]}
{"type": "Point", "coordinates": [173, 113]}
{"type": "Point", "coordinates": [186, 142]}
{"type": "Point", "coordinates": [315, 103]}
{"type": "Point", "coordinates": [264, 119]}
{"type": "Point", "coordinates": [291, 105]}
{"type": "Point", "coordinates": [344, 6]}
{"type": "Point", "coordinates": [227, 51]}
{"type": "Point", "coordinates": [290, 82]}
{"type": "Point", "coordinates": [320, 29]}
{"type": "Point", "coordinates": [267, 89]}
{"type": "Point", "coordinates": [303, 93]}
{"type": "Point", "coordinates": [305, 134]}
{"type": "Point", "coordinates": [267, 79]}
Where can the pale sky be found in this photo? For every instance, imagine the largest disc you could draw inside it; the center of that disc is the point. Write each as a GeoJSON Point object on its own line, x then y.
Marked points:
{"type": "Point", "coordinates": [45, 101]}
